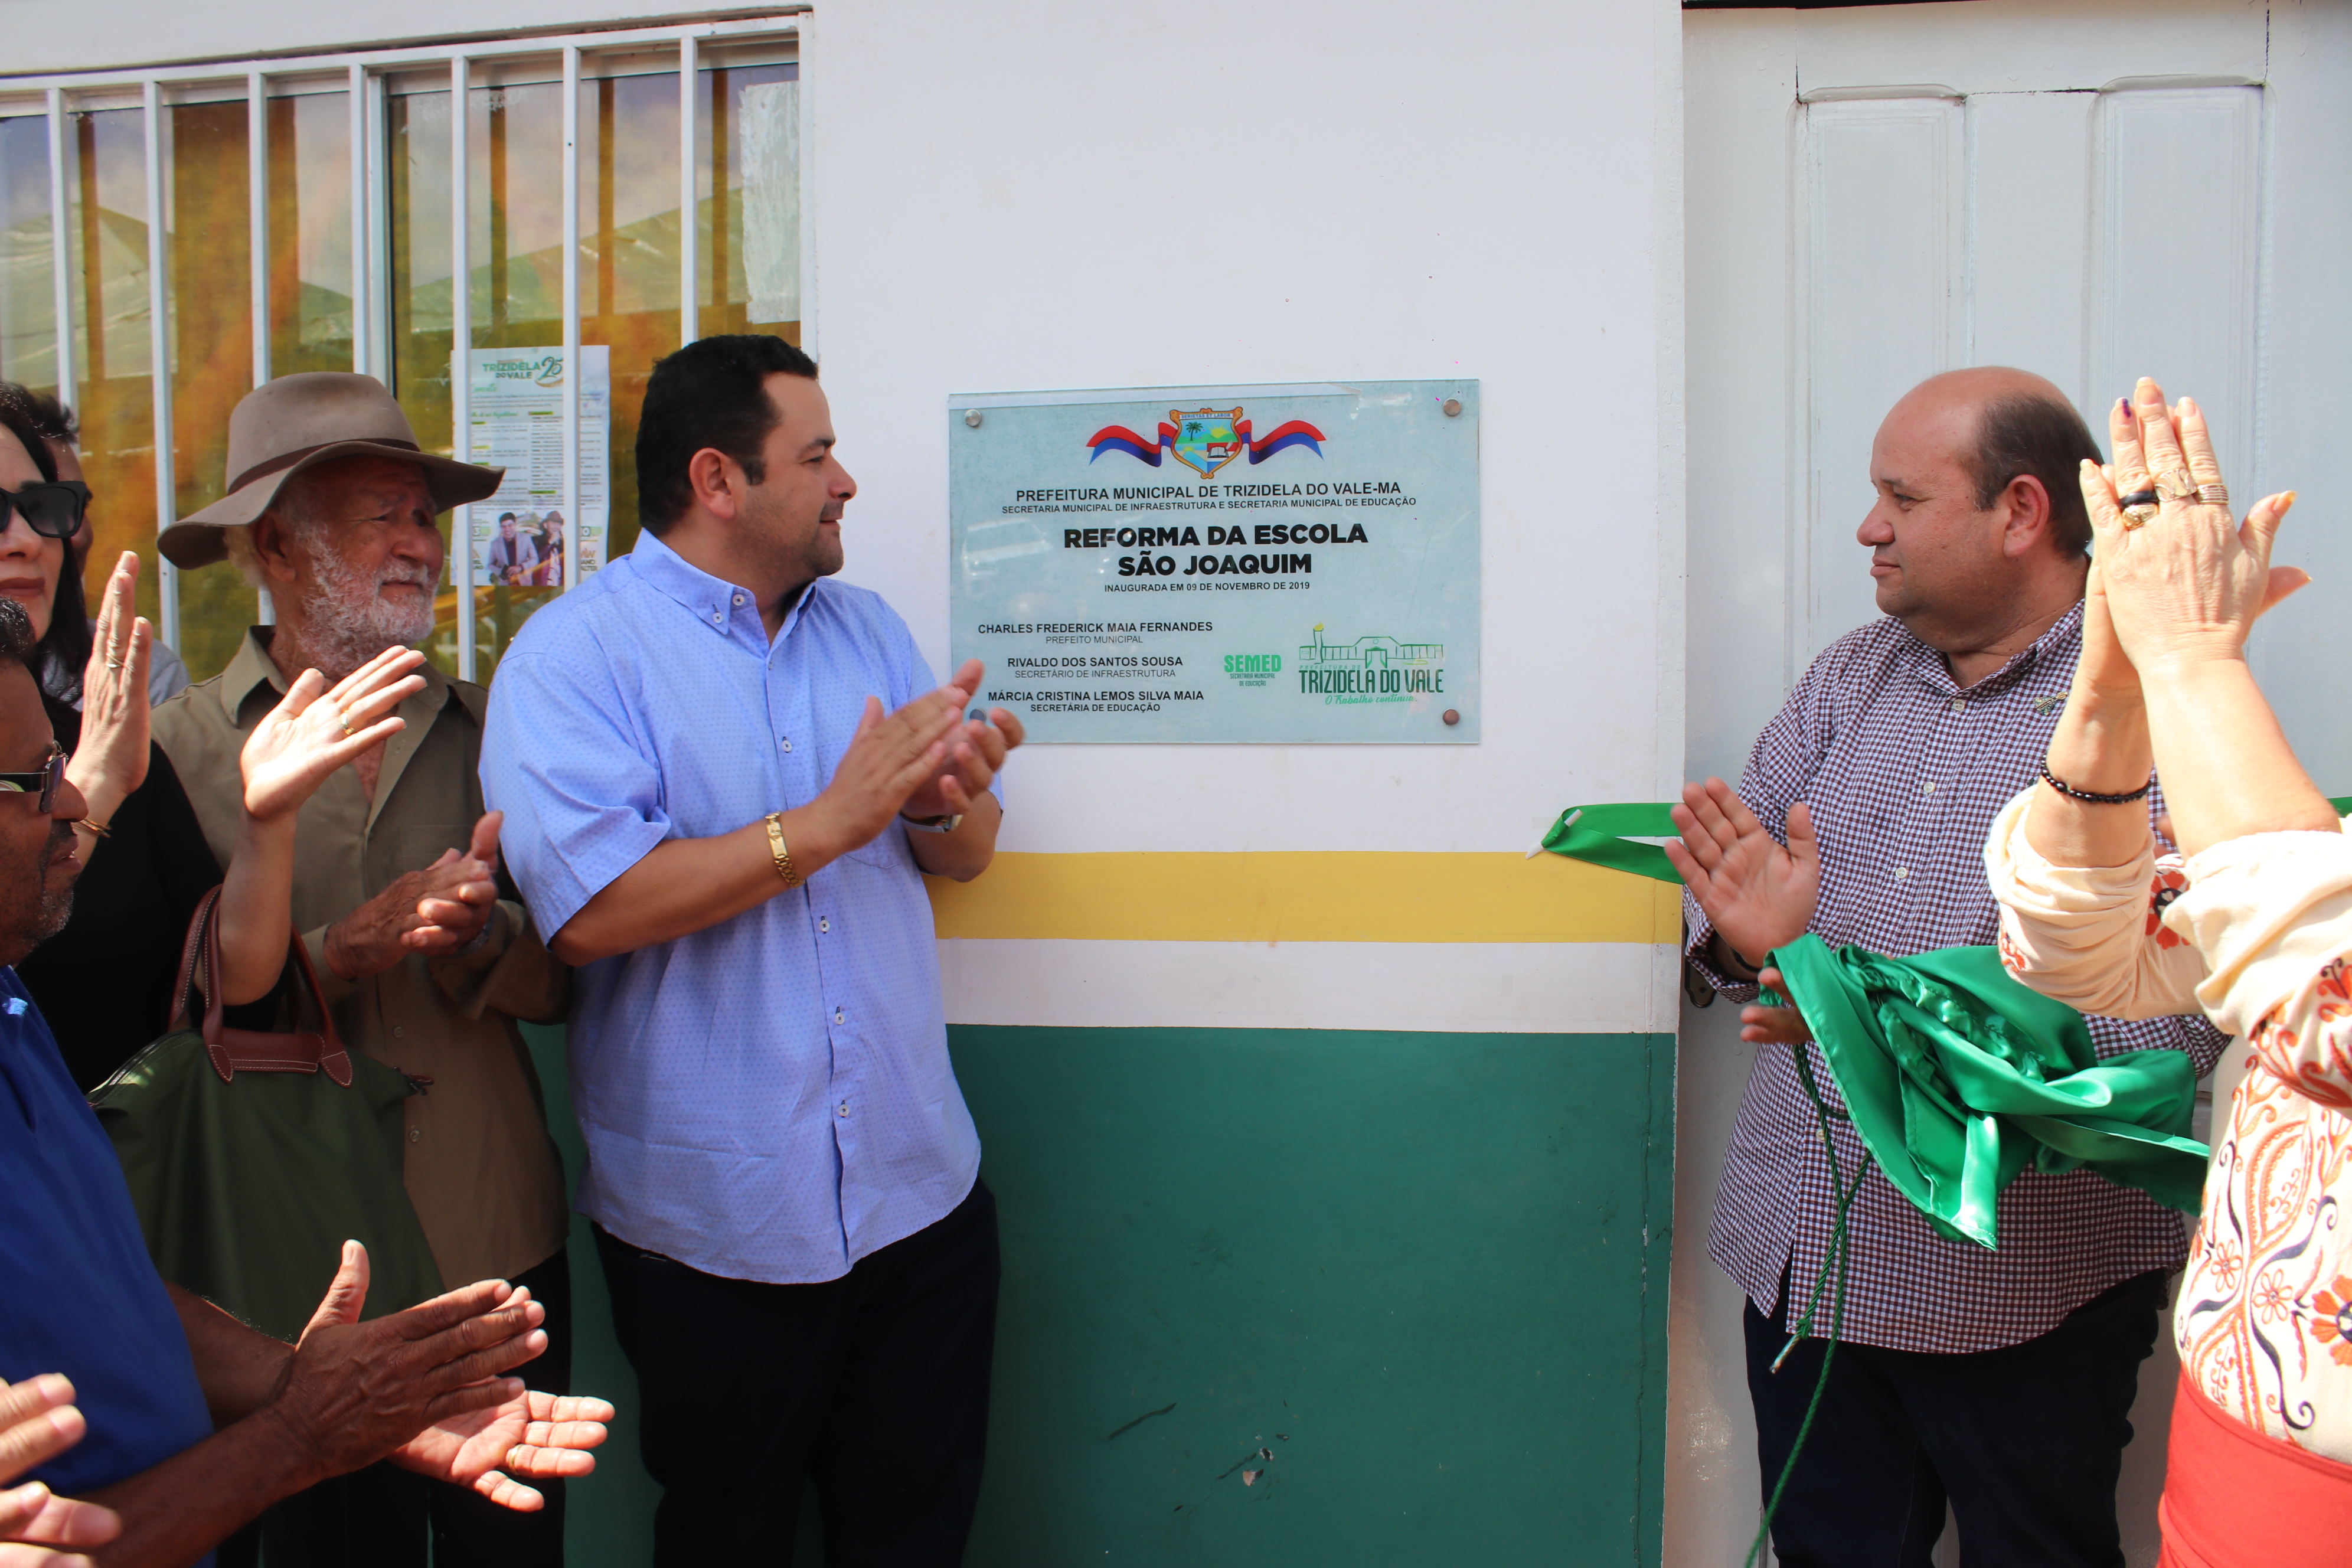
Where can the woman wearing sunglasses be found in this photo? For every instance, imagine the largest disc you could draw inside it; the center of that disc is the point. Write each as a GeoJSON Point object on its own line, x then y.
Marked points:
{"type": "Point", "coordinates": [42, 570]}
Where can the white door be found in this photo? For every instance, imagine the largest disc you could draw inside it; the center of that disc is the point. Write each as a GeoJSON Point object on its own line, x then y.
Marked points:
{"type": "Point", "coordinates": [1875, 194]}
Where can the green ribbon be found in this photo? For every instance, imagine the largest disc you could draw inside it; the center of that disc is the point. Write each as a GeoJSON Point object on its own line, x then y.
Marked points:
{"type": "Point", "coordinates": [1598, 834]}
{"type": "Point", "coordinates": [1958, 1078]}
{"type": "Point", "coordinates": [1605, 834]}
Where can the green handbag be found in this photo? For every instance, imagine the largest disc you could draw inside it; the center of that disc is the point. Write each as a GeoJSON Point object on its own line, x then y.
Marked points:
{"type": "Point", "coordinates": [251, 1157]}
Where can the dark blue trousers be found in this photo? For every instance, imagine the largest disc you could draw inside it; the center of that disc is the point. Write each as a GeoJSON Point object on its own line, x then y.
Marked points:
{"type": "Point", "coordinates": [2025, 1442]}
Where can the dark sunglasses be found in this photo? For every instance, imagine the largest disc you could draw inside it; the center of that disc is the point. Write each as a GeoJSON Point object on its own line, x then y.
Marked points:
{"type": "Point", "coordinates": [53, 508]}
{"type": "Point", "coordinates": [45, 782]}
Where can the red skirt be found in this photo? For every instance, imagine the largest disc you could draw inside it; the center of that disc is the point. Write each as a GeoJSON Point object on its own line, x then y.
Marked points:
{"type": "Point", "coordinates": [2234, 1495]}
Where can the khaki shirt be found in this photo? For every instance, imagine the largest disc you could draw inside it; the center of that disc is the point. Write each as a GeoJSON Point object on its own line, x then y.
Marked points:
{"type": "Point", "coordinates": [481, 1170]}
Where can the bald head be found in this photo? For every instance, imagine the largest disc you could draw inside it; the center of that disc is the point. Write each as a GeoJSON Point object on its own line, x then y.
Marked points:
{"type": "Point", "coordinates": [2002, 424]}
{"type": "Point", "coordinates": [1979, 509]}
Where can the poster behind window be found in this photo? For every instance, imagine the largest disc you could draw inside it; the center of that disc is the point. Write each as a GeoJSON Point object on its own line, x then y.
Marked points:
{"type": "Point", "coordinates": [521, 537]}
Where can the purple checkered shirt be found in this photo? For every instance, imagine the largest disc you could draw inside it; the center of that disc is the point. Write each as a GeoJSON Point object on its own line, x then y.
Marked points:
{"type": "Point", "coordinates": [1903, 773]}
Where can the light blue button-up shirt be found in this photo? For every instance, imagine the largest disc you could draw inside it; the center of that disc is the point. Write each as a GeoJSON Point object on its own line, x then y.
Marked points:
{"type": "Point", "coordinates": [770, 1099]}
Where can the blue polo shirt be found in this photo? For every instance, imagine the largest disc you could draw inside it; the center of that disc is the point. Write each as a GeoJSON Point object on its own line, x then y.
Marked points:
{"type": "Point", "coordinates": [80, 1296]}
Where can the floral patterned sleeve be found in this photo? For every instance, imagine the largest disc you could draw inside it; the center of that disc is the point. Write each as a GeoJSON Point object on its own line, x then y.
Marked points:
{"type": "Point", "coordinates": [2264, 1317]}
{"type": "Point", "coordinates": [2094, 938]}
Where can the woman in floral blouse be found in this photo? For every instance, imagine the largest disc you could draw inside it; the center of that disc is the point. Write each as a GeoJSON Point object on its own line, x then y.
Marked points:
{"type": "Point", "coordinates": [2251, 919]}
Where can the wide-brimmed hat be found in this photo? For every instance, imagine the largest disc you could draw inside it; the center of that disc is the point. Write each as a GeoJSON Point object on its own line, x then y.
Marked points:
{"type": "Point", "coordinates": [297, 422]}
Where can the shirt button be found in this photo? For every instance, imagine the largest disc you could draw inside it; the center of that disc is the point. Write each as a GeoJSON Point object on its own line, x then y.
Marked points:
{"type": "Point", "coordinates": [739, 601]}
{"type": "Point", "coordinates": [718, 618]}
{"type": "Point", "coordinates": [823, 924]}
{"type": "Point", "coordinates": [788, 743]}
{"type": "Point", "coordinates": [1901, 873]}
{"type": "Point", "coordinates": [845, 1107]}
{"type": "Point", "coordinates": [416, 1135]}
{"type": "Point", "coordinates": [837, 1016]}
{"type": "Point", "coordinates": [1927, 789]}
{"type": "Point", "coordinates": [399, 1033]}
{"type": "Point", "coordinates": [1958, 703]}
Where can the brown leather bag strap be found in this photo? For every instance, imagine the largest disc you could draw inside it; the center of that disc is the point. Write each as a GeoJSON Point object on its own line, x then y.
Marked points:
{"type": "Point", "coordinates": [253, 1050]}
{"type": "Point", "coordinates": [192, 953]}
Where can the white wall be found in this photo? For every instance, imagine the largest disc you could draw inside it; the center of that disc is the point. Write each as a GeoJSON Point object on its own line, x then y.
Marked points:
{"type": "Point", "coordinates": [1401, 192]}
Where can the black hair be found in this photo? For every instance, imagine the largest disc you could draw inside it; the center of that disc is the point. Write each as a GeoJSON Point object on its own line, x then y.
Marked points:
{"type": "Point", "coordinates": [2034, 433]}
{"type": "Point", "coordinates": [710, 394]}
{"type": "Point", "coordinates": [37, 420]}
{"type": "Point", "coordinates": [509, 516]}
{"type": "Point", "coordinates": [53, 419]}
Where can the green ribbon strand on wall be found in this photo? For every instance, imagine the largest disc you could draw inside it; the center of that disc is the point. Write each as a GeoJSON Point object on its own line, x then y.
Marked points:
{"type": "Point", "coordinates": [1598, 834]}
{"type": "Point", "coordinates": [1959, 1078]}
{"type": "Point", "coordinates": [1606, 835]}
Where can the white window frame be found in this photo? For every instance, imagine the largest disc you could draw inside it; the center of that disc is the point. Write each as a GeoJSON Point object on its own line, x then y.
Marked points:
{"type": "Point", "coordinates": [55, 97]}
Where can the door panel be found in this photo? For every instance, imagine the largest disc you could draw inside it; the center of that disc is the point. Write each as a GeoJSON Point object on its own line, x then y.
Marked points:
{"type": "Point", "coordinates": [2174, 230]}
{"type": "Point", "coordinates": [1883, 185]}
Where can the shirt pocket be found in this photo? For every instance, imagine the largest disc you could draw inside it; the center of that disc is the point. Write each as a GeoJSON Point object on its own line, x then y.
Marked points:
{"type": "Point", "coordinates": [417, 845]}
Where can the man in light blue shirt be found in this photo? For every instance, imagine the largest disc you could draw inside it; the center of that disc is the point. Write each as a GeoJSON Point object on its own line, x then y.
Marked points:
{"type": "Point", "coordinates": [723, 773]}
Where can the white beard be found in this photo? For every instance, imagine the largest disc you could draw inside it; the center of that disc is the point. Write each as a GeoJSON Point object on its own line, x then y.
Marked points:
{"type": "Point", "coordinates": [349, 621]}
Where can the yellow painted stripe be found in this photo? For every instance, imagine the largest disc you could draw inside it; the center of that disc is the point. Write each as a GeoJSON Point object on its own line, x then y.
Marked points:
{"type": "Point", "coordinates": [1307, 896]}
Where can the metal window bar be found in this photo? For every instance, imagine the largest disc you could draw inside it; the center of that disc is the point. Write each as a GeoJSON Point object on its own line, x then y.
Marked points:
{"type": "Point", "coordinates": [688, 99]}
{"type": "Point", "coordinates": [50, 95]}
{"type": "Point", "coordinates": [257, 184]}
{"type": "Point", "coordinates": [461, 378]}
{"type": "Point", "coordinates": [60, 249]}
{"type": "Point", "coordinates": [574, 367]}
{"type": "Point", "coordinates": [159, 363]}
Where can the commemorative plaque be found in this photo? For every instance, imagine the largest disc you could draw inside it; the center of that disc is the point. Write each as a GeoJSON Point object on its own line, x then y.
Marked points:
{"type": "Point", "coordinates": [1233, 563]}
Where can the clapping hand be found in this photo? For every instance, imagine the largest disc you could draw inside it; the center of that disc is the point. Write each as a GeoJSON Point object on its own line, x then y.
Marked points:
{"type": "Point", "coordinates": [543, 1436]}
{"type": "Point", "coordinates": [37, 1423]}
{"type": "Point", "coordinates": [2188, 585]}
{"type": "Point", "coordinates": [1757, 893]}
{"type": "Point", "coordinates": [434, 911]}
{"type": "Point", "coordinates": [110, 762]}
{"type": "Point", "coordinates": [317, 728]}
{"type": "Point", "coordinates": [976, 754]}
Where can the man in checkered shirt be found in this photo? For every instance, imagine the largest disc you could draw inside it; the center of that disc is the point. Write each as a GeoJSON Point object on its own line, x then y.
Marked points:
{"type": "Point", "coordinates": [1997, 1380]}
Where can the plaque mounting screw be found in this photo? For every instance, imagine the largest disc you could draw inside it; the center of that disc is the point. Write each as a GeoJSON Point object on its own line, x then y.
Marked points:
{"type": "Point", "coordinates": [1454, 716]}
{"type": "Point", "coordinates": [972, 417]}
{"type": "Point", "coordinates": [1453, 407]}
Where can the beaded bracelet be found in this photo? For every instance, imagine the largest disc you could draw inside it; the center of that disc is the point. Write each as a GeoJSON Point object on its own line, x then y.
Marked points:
{"type": "Point", "coordinates": [2071, 793]}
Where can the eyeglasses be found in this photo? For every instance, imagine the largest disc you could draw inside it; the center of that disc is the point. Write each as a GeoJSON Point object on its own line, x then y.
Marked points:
{"type": "Point", "coordinates": [45, 782]}
{"type": "Point", "coordinates": [53, 510]}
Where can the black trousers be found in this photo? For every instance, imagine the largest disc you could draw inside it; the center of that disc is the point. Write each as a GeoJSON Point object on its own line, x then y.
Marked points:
{"type": "Point", "coordinates": [875, 1384]}
{"type": "Point", "coordinates": [383, 1516]}
{"type": "Point", "coordinates": [2025, 1442]}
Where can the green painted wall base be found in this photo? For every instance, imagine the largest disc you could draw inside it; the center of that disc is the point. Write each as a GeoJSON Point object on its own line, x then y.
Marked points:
{"type": "Point", "coordinates": [1425, 1273]}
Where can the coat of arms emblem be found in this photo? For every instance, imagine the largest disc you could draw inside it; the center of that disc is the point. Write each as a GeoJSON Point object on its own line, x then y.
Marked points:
{"type": "Point", "coordinates": [1205, 437]}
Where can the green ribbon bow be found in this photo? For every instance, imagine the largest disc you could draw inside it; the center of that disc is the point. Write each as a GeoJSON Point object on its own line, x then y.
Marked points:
{"type": "Point", "coordinates": [1958, 1078]}
{"type": "Point", "coordinates": [1597, 833]}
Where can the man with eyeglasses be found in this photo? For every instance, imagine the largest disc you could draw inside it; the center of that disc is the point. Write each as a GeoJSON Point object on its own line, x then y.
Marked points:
{"type": "Point", "coordinates": [427, 952]}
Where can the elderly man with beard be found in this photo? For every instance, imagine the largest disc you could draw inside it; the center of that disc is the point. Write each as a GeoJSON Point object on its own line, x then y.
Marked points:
{"type": "Point", "coordinates": [427, 956]}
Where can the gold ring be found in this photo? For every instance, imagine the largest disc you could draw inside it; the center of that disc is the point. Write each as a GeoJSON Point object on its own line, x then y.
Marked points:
{"type": "Point", "coordinates": [343, 716]}
{"type": "Point", "coordinates": [114, 664]}
{"type": "Point", "coordinates": [2174, 484]}
{"type": "Point", "coordinates": [2213, 495]}
{"type": "Point", "coordinates": [2136, 517]}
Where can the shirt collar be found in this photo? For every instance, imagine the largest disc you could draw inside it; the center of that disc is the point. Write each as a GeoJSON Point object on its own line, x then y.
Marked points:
{"type": "Point", "coordinates": [728, 608]}
{"type": "Point", "coordinates": [253, 669]}
{"type": "Point", "coordinates": [2065, 636]}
